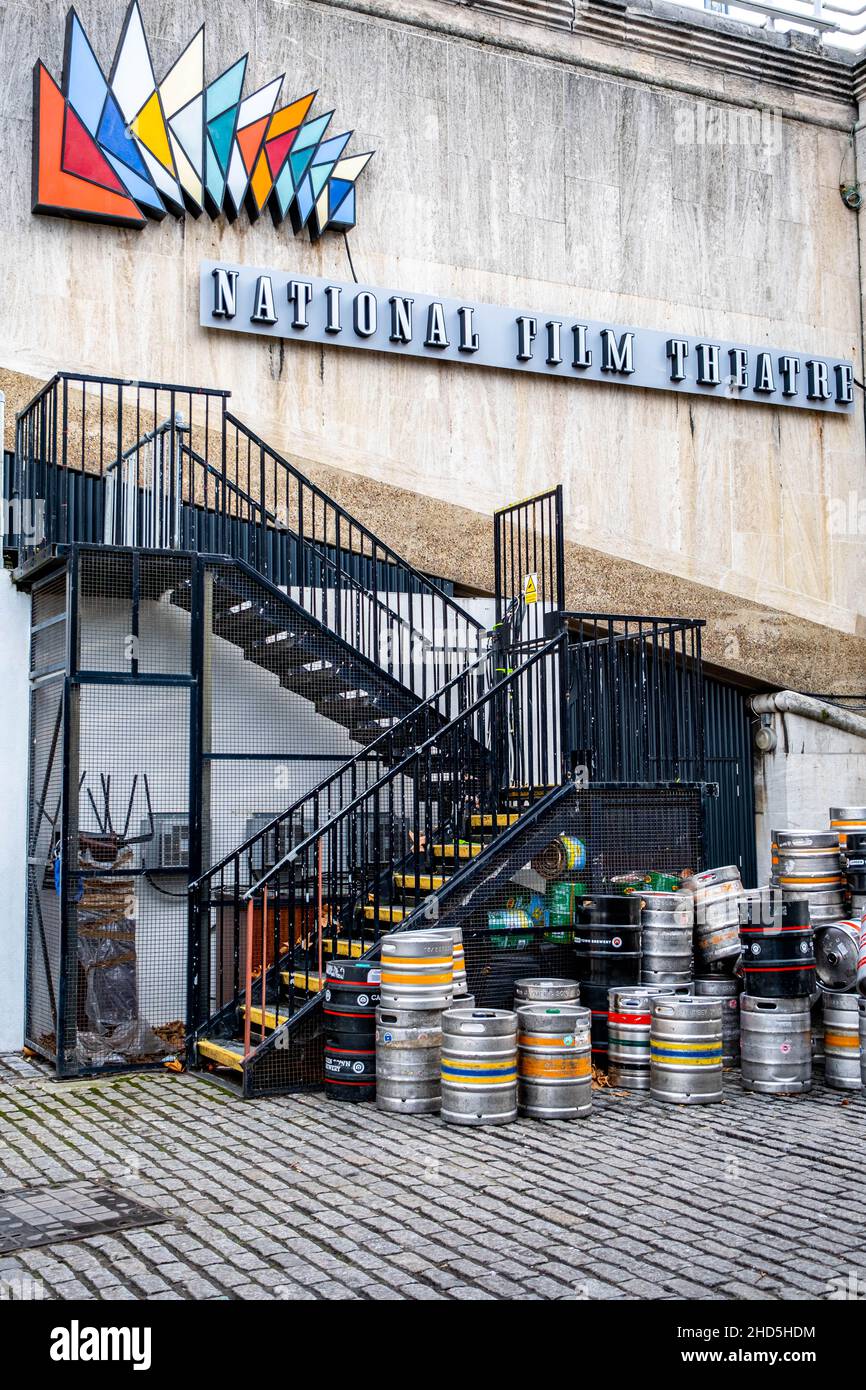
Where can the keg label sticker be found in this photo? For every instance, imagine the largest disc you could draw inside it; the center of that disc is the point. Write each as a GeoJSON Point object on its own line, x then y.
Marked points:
{"type": "Point", "coordinates": [617, 941]}
{"type": "Point", "coordinates": [568, 1040]}
{"type": "Point", "coordinates": [785, 1049]}
{"type": "Point", "coordinates": [363, 999]}
{"type": "Point", "coordinates": [733, 1003]}
{"type": "Point", "coordinates": [804, 947]}
{"type": "Point", "coordinates": [357, 1066]}
{"type": "Point", "coordinates": [387, 1037]}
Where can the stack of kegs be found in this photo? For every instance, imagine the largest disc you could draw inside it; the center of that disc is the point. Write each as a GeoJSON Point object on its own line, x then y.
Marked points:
{"type": "Point", "coordinates": [607, 952]}
{"type": "Point", "coordinates": [667, 922]}
{"type": "Point", "coordinates": [417, 985]}
{"type": "Point", "coordinates": [349, 1010]}
{"type": "Point", "coordinates": [716, 894]}
{"type": "Point", "coordinates": [778, 960]}
{"type": "Point", "coordinates": [778, 972]}
{"type": "Point", "coordinates": [807, 864]}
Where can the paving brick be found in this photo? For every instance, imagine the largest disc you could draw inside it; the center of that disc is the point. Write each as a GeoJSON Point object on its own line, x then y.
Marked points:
{"type": "Point", "coordinates": [600, 1210]}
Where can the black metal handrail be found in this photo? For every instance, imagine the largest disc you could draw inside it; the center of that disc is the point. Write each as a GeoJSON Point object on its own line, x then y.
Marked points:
{"type": "Point", "coordinates": [308, 512]}
{"type": "Point", "coordinates": [635, 697]}
{"type": "Point", "coordinates": [176, 456]}
{"type": "Point", "coordinates": [384, 752]}
{"type": "Point", "coordinates": [371, 850]}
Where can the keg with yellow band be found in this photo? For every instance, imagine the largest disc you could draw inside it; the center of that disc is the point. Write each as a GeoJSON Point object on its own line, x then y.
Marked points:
{"type": "Point", "coordinates": [479, 1071]}
{"type": "Point", "coordinates": [691, 1053]}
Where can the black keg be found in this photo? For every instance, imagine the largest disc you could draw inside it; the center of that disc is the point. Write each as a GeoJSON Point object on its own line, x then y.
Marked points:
{"type": "Point", "coordinates": [349, 1010]}
{"type": "Point", "coordinates": [769, 908]}
{"type": "Point", "coordinates": [595, 998]}
{"type": "Point", "coordinates": [778, 960]}
{"type": "Point", "coordinates": [351, 997]}
{"type": "Point", "coordinates": [607, 940]}
{"type": "Point", "coordinates": [855, 861]}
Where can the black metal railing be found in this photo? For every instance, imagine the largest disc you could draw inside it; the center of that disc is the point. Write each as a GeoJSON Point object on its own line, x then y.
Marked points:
{"type": "Point", "coordinates": [348, 861]}
{"type": "Point", "coordinates": [142, 464]}
{"type": "Point", "coordinates": [635, 698]}
{"type": "Point", "coordinates": [529, 565]}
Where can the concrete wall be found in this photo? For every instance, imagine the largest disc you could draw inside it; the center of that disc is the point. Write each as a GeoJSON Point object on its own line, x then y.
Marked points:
{"type": "Point", "coordinates": [819, 761]}
{"type": "Point", "coordinates": [14, 742]}
{"type": "Point", "coordinates": [522, 166]}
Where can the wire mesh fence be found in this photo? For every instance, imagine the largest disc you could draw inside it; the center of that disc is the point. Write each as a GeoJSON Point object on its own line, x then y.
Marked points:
{"type": "Point", "coordinates": [516, 909]}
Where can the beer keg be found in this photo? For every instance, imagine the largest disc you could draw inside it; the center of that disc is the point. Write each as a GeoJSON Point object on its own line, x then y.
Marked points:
{"type": "Point", "coordinates": [554, 1071]}
{"type": "Point", "coordinates": [841, 1041]}
{"type": "Point", "coordinates": [775, 1045]}
{"type": "Point", "coordinates": [479, 1066]}
{"type": "Point", "coordinates": [686, 1051]}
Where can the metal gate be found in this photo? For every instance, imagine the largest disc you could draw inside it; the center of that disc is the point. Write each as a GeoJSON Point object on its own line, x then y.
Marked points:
{"type": "Point", "coordinates": [529, 567]}
{"type": "Point", "coordinates": [730, 817]}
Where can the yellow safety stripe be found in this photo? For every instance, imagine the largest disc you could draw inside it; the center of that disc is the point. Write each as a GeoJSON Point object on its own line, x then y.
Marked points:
{"type": "Point", "coordinates": [388, 959]}
{"type": "Point", "coordinates": [687, 1046]}
{"type": "Point", "coordinates": [417, 979]}
{"type": "Point", "coordinates": [224, 1056]}
{"type": "Point", "coordinates": [842, 1040]}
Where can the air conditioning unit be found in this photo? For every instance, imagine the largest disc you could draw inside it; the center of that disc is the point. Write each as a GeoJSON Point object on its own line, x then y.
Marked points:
{"type": "Point", "coordinates": [275, 844]}
{"type": "Point", "coordinates": [169, 848]}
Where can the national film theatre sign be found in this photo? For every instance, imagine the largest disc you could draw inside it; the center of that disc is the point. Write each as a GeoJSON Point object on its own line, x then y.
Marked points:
{"type": "Point", "coordinates": [277, 304]}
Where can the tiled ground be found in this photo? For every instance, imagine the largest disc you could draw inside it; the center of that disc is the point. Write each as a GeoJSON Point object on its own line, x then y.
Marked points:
{"type": "Point", "coordinates": [296, 1198]}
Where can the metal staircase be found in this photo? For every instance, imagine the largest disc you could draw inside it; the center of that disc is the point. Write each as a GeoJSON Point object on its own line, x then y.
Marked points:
{"type": "Point", "coordinates": [378, 855]}
{"type": "Point", "coordinates": [189, 570]}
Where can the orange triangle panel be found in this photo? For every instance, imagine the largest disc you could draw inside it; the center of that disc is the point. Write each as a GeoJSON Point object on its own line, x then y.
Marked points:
{"type": "Point", "coordinates": [55, 190]}
{"type": "Point", "coordinates": [250, 141]}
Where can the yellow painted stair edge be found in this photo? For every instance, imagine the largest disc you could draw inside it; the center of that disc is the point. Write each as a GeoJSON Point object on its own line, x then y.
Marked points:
{"type": "Point", "coordinates": [223, 1056]}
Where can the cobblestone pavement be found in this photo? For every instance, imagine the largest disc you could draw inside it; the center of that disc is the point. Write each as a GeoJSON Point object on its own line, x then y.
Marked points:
{"type": "Point", "coordinates": [295, 1198]}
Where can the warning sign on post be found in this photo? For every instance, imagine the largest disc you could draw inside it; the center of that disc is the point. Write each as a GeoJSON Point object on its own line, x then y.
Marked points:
{"type": "Point", "coordinates": [530, 588]}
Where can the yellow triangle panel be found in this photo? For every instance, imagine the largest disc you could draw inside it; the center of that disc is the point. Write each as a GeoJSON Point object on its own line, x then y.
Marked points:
{"type": "Point", "coordinates": [149, 127]}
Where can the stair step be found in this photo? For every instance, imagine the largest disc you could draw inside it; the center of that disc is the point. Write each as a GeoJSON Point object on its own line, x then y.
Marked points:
{"type": "Point", "coordinates": [301, 980]}
{"type": "Point", "coordinates": [225, 1053]}
{"type": "Point", "coordinates": [355, 949]}
{"type": "Point", "coordinates": [385, 913]}
{"type": "Point", "coordinates": [272, 1016]}
{"type": "Point", "coordinates": [487, 822]}
{"type": "Point", "coordinates": [423, 883]}
{"type": "Point", "coordinates": [464, 850]}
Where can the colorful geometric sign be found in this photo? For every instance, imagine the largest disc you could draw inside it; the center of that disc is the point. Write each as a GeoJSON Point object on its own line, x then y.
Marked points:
{"type": "Point", "coordinates": [127, 148]}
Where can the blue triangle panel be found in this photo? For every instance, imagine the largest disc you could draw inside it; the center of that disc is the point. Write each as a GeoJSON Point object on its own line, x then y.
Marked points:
{"type": "Point", "coordinates": [144, 193]}
{"type": "Point", "coordinates": [344, 215]}
{"type": "Point", "coordinates": [85, 85]}
{"type": "Point", "coordinates": [306, 200]}
{"type": "Point", "coordinates": [114, 139]}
